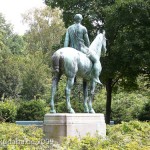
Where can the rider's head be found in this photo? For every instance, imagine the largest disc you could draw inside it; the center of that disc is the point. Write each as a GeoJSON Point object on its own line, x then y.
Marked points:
{"type": "Point", "coordinates": [78, 18]}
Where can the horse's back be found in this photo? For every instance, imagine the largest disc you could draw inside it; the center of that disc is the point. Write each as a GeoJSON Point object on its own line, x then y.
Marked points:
{"type": "Point", "coordinates": [67, 52]}
{"type": "Point", "coordinates": [74, 61]}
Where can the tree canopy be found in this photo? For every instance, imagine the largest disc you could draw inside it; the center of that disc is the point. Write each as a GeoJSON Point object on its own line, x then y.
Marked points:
{"type": "Point", "coordinates": [45, 29]}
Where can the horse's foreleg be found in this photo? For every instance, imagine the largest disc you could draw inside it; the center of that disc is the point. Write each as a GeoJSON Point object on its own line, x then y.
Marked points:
{"type": "Point", "coordinates": [85, 94]}
{"type": "Point", "coordinates": [55, 81]}
{"type": "Point", "coordinates": [92, 89]}
{"type": "Point", "coordinates": [69, 86]}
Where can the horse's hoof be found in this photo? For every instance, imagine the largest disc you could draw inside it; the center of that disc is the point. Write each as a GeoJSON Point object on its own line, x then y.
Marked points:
{"type": "Point", "coordinates": [86, 110]}
{"type": "Point", "coordinates": [71, 111]}
{"type": "Point", "coordinates": [92, 111]}
{"type": "Point", "coordinates": [53, 111]}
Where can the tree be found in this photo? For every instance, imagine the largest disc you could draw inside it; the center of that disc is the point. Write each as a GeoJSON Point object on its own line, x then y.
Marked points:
{"type": "Point", "coordinates": [10, 80]}
{"type": "Point", "coordinates": [91, 11]}
{"type": "Point", "coordinates": [35, 76]}
{"type": "Point", "coordinates": [127, 30]}
{"type": "Point", "coordinates": [45, 29]}
{"type": "Point", "coordinates": [128, 56]}
{"type": "Point", "coordinates": [21, 74]}
{"type": "Point", "coordinates": [9, 64]}
{"type": "Point", "coordinates": [16, 44]}
{"type": "Point", "coordinates": [145, 113]}
{"type": "Point", "coordinates": [5, 32]}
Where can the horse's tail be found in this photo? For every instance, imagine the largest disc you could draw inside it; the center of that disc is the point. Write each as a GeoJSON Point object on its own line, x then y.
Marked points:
{"type": "Point", "coordinates": [56, 61]}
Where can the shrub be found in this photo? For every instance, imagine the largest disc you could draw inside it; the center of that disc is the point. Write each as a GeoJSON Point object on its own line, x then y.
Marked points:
{"type": "Point", "coordinates": [15, 137]}
{"type": "Point", "coordinates": [144, 115]}
{"type": "Point", "coordinates": [132, 135]}
{"type": "Point", "coordinates": [8, 110]}
{"type": "Point", "coordinates": [127, 106]}
{"type": "Point", "coordinates": [32, 110]}
{"type": "Point", "coordinates": [125, 136]}
{"type": "Point", "coordinates": [99, 103]}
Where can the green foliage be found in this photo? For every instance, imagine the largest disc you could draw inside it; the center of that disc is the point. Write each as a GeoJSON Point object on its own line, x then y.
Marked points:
{"type": "Point", "coordinates": [5, 33]}
{"type": "Point", "coordinates": [12, 110]}
{"type": "Point", "coordinates": [45, 29]}
{"type": "Point", "coordinates": [127, 106]}
{"type": "Point", "coordinates": [132, 135]}
{"type": "Point", "coordinates": [32, 110]}
{"type": "Point", "coordinates": [35, 76]}
{"type": "Point", "coordinates": [99, 103]}
{"type": "Point", "coordinates": [16, 44]}
{"type": "Point", "coordinates": [91, 11]}
{"type": "Point", "coordinates": [8, 110]}
{"type": "Point", "coordinates": [128, 33]}
{"type": "Point", "coordinates": [8, 40]}
{"type": "Point", "coordinates": [86, 143]}
{"type": "Point", "coordinates": [25, 75]}
{"type": "Point", "coordinates": [22, 137]}
{"type": "Point", "coordinates": [10, 79]}
{"type": "Point", "coordinates": [144, 114]}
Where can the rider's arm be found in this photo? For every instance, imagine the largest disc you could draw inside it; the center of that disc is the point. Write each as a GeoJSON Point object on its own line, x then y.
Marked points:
{"type": "Point", "coordinates": [86, 38]}
{"type": "Point", "coordinates": [66, 43]}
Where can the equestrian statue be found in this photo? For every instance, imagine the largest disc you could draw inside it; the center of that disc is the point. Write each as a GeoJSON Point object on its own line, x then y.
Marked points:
{"type": "Point", "coordinates": [74, 63]}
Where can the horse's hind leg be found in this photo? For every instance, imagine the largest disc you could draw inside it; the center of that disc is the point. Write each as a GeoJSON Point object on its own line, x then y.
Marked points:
{"type": "Point", "coordinates": [55, 81]}
{"type": "Point", "coordinates": [85, 94]}
{"type": "Point", "coordinates": [69, 86]}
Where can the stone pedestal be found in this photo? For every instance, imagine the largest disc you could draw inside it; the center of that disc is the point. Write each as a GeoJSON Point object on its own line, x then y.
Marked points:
{"type": "Point", "coordinates": [62, 124]}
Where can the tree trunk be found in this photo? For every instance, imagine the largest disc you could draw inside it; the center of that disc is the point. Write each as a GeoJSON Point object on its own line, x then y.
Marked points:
{"type": "Point", "coordinates": [108, 102]}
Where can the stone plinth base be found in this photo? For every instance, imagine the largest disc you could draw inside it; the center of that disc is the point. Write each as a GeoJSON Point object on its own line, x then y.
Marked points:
{"type": "Point", "coordinates": [61, 125]}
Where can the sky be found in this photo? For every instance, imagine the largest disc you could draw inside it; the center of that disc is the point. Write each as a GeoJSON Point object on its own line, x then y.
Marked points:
{"type": "Point", "coordinates": [12, 10]}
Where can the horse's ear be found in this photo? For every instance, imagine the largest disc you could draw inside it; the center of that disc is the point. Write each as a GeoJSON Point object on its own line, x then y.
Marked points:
{"type": "Point", "coordinates": [98, 32]}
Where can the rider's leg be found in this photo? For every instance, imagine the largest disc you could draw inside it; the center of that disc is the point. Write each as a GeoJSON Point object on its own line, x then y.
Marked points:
{"type": "Point", "coordinates": [96, 66]}
{"type": "Point", "coordinates": [96, 63]}
{"type": "Point", "coordinates": [97, 69]}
